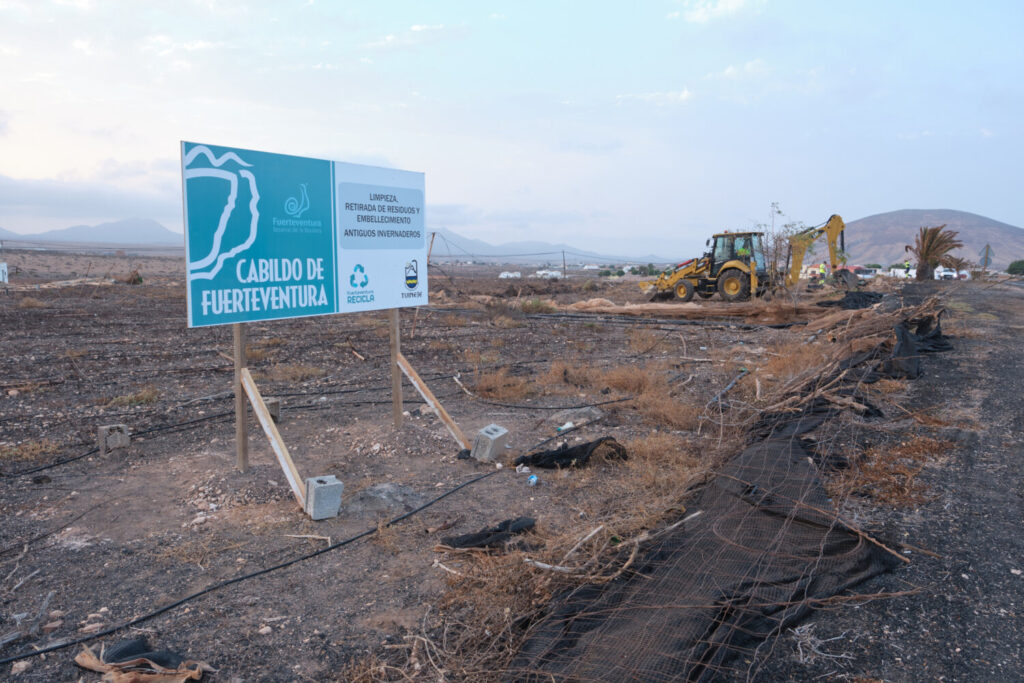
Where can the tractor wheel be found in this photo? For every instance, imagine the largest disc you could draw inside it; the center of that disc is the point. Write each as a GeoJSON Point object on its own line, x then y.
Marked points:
{"type": "Point", "coordinates": [734, 285]}
{"type": "Point", "coordinates": [684, 290]}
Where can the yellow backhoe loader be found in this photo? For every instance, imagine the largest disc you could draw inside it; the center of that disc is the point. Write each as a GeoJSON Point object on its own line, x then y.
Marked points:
{"type": "Point", "coordinates": [735, 266]}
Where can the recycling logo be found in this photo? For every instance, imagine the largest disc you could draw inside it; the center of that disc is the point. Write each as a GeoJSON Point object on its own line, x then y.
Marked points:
{"type": "Point", "coordinates": [355, 281]}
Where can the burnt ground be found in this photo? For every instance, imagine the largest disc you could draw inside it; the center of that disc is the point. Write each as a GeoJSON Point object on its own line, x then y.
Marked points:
{"type": "Point", "coordinates": [964, 615]}
{"type": "Point", "coordinates": [117, 536]}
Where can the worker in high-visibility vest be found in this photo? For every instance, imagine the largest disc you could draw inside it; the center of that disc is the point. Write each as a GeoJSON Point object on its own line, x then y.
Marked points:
{"type": "Point", "coordinates": [821, 270]}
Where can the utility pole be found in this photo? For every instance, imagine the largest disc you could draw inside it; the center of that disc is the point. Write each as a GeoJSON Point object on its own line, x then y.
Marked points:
{"type": "Point", "coordinates": [564, 273]}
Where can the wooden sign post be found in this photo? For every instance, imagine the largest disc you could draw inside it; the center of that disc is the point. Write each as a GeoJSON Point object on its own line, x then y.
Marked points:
{"type": "Point", "coordinates": [241, 424]}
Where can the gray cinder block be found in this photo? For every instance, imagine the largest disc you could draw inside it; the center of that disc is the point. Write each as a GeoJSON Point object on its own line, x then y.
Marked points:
{"type": "Point", "coordinates": [274, 408]}
{"type": "Point", "coordinates": [323, 496]}
{"type": "Point", "coordinates": [110, 437]}
{"type": "Point", "coordinates": [489, 444]}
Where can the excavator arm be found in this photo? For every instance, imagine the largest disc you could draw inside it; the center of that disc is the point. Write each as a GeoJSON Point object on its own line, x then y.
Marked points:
{"type": "Point", "coordinates": [800, 242]}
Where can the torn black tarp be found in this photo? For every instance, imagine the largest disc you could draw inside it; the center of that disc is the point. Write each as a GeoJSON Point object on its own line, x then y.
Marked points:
{"type": "Point", "coordinates": [575, 456]}
{"type": "Point", "coordinates": [855, 299]}
{"type": "Point", "coordinates": [926, 337]}
{"type": "Point", "coordinates": [492, 537]}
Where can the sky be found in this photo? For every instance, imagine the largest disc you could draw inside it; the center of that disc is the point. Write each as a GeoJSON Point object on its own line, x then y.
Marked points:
{"type": "Point", "coordinates": [629, 128]}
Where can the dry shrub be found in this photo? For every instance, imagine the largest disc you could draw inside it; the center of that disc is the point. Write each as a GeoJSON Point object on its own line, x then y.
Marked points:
{"type": "Point", "coordinates": [661, 409]}
{"type": "Point", "coordinates": [29, 450]}
{"type": "Point", "coordinates": [30, 302]}
{"type": "Point", "coordinates": [386, 537]}
{"type": "Point", "coordinates": [536, 305]}
{"type": "Point", "coordinates": [890, 475]}
{"type": "Point", "coordinates": [643, 341]}
{"type": "Point", "coordinates": [454, 320]}
{"type": "Point", "coordinates": [889, 386]}
{"type": "Point", "coordinates": [293, 372]}
{"type": "Point", "coordinates": [500, 384]}
{"type": "Point", "coordinates": [786, 362]}
{"type": "Point", "coordinates": [506, 323]}
{"type": "Point", "coordinates": [145, 395]}
{"type": "Point", "coordinates": [566, 373]}
{"type": "Point", "coordinates": [255, 354]}
{"type": "Point", "coordinates": [631, 379]}
{"type": "Point", "coordinates": [440, 345]}
{"type": "Point", "coordinates": [661, 467]}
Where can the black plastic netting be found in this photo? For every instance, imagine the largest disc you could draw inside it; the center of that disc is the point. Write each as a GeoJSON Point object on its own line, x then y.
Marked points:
{"type": "Point", "coordinates": [765, 550]}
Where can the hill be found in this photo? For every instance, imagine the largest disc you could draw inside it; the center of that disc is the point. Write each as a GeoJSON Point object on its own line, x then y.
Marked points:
{"type": "Point", "coordinates": [128, 231]}
{"type": "Point", "coordinates": [452, 245]}
{"type": "Point", "coordinates": [881, 238]}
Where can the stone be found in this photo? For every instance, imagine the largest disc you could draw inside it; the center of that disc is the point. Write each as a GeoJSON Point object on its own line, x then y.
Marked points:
{"type": "Point", "coordinates": [323, 497]}
{"type": "Point", "coordinates": [489, 444]}
{"type": "Point", "coordinates": [112, 437]}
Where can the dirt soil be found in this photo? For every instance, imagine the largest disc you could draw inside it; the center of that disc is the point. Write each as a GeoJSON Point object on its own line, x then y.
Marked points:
{"type": "Point", "coordinates": [119, 535]}
{"type": "Point", "coordinates": [963, 617]}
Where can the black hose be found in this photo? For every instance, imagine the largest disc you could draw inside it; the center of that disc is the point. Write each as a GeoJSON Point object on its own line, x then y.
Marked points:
{"type": "Point", "coordinates": [238, 579]}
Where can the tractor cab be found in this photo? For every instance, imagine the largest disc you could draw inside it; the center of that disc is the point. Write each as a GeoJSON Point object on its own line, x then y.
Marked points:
{"type": "Point", "coordinates": [735, 246]}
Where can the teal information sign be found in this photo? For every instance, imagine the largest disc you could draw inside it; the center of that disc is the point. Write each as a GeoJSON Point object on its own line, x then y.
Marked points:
{"type": "Point", "coordinates": [270, 236]}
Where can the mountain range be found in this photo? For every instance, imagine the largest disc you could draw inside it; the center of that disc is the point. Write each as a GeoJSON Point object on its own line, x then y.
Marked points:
{"type": "Point", "coordinates": [875, 239]}
{"type": "Point", "coordinates": [134, 231]}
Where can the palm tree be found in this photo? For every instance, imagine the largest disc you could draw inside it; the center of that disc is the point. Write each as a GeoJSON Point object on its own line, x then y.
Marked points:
{"type": "Point", "coordinates": [931, 248]}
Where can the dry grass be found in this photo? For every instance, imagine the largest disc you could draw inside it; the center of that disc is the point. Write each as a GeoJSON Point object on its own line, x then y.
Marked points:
{"type": "Point", "coordinates": [28, 451]}
{"type": "Point", "coordinates": [505, 322]}
{"type": "Point", "coordinates": [890, 475]}
{"type": "Point", "coordinates": [453, 320]}
{"type": "Point", "coordinates": [73, 353]}
{"type": "Point", "coordinates": [256, 354]}
{"type": "Point", "coordinates": [536, 305]}
{"type": "Point", "coordinates": [440, 345]}
{"type": "Point", "coordinates": [145, 395]}
{"type": "Point", "coordinates": [293, 372]}
{"type": "Point", "coordinates": [30, 302]}
{"type": "Point", "coordinates": [643, 341]}
{"type": "Point", "coordinates": [501, 385]}
{"type": "Point", "coordinates": [197, 551]}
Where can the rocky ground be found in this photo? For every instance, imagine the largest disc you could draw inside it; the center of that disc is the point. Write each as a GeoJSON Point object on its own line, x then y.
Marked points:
{"type": "Point", "coordinates": [117, 536]}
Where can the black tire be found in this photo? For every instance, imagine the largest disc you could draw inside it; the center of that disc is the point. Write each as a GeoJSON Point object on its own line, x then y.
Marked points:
{"type": "Point", "coordinates": [684, 290]}
{"type": "Point", "coordinates": [734, 285]}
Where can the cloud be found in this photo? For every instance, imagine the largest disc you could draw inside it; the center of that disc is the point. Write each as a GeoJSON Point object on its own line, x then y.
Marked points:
{"type": "Point", "coordinates": [755, 67]}
{"type": "Point", "coordinates": [83, 46]}
{"type": "Point", "coordinates": [703, 11]}
{"type": "Point", "coordinates": [100, 199]}
{"type": "Point", "coordinates": [659, 99]}
{"type": "Point", "coordinates": [416, 35]}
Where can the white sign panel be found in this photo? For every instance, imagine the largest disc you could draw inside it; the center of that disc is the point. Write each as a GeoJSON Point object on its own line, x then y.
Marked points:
{"type": "Point", "coordinates": [271, 236]}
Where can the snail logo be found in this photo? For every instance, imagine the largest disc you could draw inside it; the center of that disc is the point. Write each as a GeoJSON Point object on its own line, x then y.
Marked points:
{"type": "Point", "coordinates": [412, 274]}
{"type": "Point", "coordinates": [233, 233]}
{"type": "Point", "coordinates": [357, 282]}
{"type": "Point", "coordinates": [295, 207]}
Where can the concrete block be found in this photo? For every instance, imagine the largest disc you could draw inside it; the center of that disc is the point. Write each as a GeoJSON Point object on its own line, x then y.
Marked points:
{"type": "Point", "coordinates": [274, 408]}
{"type": "Point", "coordinates": [111, 437]}
{"type": "Point", "coordinates": [323, 496]}
{"type": "Point", "coordinates": [489, 444]}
